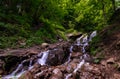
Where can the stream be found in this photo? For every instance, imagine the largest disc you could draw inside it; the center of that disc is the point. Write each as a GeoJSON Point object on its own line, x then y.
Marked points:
{"type": "Point", "coordinates": [44, 60]}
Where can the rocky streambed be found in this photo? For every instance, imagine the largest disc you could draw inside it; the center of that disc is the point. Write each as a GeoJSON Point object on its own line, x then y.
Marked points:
{"type": "Point", "coordinates": [62, 60]}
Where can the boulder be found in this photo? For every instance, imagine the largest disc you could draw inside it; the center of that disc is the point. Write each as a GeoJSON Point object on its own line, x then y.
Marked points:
{"type": "Point", "coordinates": [44, 45]}
{"type": "Point", "coordinates": [57, 56]}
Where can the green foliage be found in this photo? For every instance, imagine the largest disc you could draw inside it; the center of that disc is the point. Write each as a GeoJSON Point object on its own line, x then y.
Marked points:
{"type": "Point", "coordinates": [39, 20]}
{"type": "Point", "coordinates": [94, 45]}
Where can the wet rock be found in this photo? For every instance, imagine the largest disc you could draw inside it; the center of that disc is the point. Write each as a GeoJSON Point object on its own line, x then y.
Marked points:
{"type": "Point", "coordinates": [56, 57]}
{"type": "Point", "coordinates": [71, 66]}
{"type": "Point", "coordinates": [44, 45]}
{"type": "Point", "coordinates": [69, 69]}
{"type": "Point", "coordinates": [77, 48]}
{"type": "Point", "coordinates": [87, 58]}
{"type": "Point", "coordinates": [26, 75]}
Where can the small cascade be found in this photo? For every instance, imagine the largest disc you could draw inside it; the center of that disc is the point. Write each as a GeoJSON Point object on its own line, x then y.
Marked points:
{"type": "Point", "coordinates": [79, 66]}
{"type": "Point", "coordinates": [69, 57]}
{"type": "Point", "coordinates": [19, 70]}
{"type": "Point", "coordinates": [42, 60]}
{"type": "Point", "coordinates": [16, 73]}
{"type": "Point", "coordinates": [30, 65]}
{"type": "Point", "coordinates": [93, 34]}
{"type": "Point", "coordinates": [83, 42]}
{"type": "Point", "coordinates": [71, 49]}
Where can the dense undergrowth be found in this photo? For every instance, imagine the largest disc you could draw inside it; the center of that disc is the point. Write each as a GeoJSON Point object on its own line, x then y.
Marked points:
{"type": "Point", "coordinates": [28, 22]}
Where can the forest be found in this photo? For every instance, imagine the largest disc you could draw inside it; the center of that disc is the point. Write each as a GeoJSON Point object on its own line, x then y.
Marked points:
{"type": "Point", "coordinates": [46, 37]}
{"type": "Point", "coordinates": [34, 22]}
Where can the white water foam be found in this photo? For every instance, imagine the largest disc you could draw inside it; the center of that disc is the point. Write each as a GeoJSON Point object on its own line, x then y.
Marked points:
{"type": "Point", "coordinates": [93, 34]}
{"type": "Point", "coordinates": [67, 76]}
{"type": "Point", "coordinates": [19, 71]}
{"type": "Point", "coordinates": [30, 65]}
{"type": "Point", "coordinates": [71, 49]}
{"type": "Point", "coordinates": [79, 66]}
{"type": "Point", "coordinates": [16, 73]}
{"type": "Point", "coordinates": [43, 59]}
{"type": "Point", "coordinates": [11, 76]}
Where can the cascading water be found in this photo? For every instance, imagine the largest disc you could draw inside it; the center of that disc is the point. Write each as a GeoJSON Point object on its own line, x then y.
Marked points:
{"type": "Point", "coordinates": [83, 42]}
{"type": "Point", "coordinates": [42, 57]}
{"type": "Point", "coordinates": [20, 69]}
{"type": "Point", "coordinates": [42, 60]}
{"type": "Point", "coordinates": [16, 73]}
{"type": "Point", "coordinates": [69, 75]}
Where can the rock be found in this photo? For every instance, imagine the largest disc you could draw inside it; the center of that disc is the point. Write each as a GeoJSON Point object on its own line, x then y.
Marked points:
{"type": "Point", "coordinates": [88, 67]}
{"type": "Point", "coordinates": [77, 48]}
{"type": "Point", "coordinates": [35, 68]}
{"type": "Point", "coordinates": [1, 71]}
{"type": "Point", "coordinates": [26, 75]}
{"type": "Point", "coordinates": [76, 55]}
{"type": "Point", "coordinates": [87, 58]}
{"type": "Point", "coordinates": [74, 36]}
{"type": "Point", "coordinates": [57, 56]}
{"type": "Point", "coordinates": [104, 63]}
{"type": "Point", "coordinates": [71, 66]}
{"type": "Point", "coordinates": [96, 71]}
{"type": "Point", "coordinates": [110, 61]}
{"type": "Point", "coordinates": [118, 45]}
{"type": "Point", "coordinates": [32, 51]}
{"type": "Point", "coordinates": [55, 77]}
{"type": "Point", "coordinates": [118, 66]}
{"type": "Point", "coordinates": [42, 73]}
{"type": "Point", "coordinates": [57, 71]}
{"type": "Point", "coordinates": [57, 74]}
{"type": "Point", "coordinates": [23, 44]}
{"type": "Point", "coordinates": [76, 60]}
{"type": "Point", "coordinates": [44, 45]}
{"type": "Point", "coordinates": [116, 76]}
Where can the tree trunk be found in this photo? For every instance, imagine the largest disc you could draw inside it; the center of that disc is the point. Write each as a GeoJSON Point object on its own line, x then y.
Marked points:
{"type": "Point", "coordinates": [113, 4]}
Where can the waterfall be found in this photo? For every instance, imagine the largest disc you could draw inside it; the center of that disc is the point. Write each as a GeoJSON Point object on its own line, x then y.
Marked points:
{"type": "Point", "coordinates": [17, 72]}
{"type": "Point", "coordinates": [83, 42]}
{"type": "Point", "coordinates": [42, 60]}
